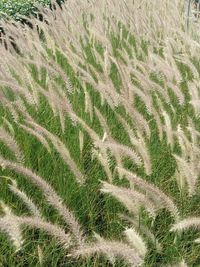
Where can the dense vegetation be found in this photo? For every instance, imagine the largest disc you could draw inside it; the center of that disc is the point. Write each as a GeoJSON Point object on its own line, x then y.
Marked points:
{"type": "Point", "coordinates": [100, 137]}
{"type": "Point", "coordinates": [17, 9]}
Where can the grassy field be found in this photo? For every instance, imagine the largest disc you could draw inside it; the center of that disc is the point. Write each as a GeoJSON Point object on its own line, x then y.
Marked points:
{"type": "Point", "coordinates": [100, 107]}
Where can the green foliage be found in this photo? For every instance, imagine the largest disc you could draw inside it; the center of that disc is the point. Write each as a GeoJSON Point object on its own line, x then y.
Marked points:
{"type": "Point", "coordinates": [19, 8]}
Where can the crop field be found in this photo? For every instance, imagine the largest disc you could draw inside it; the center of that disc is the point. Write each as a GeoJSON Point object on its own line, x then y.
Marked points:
{"type": "Point", "coordinates": [100, 136]}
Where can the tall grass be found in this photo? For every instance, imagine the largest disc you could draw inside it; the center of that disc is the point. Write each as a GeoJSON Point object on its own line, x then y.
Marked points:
{"type": "Point", "coordinates": [100, 136]}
